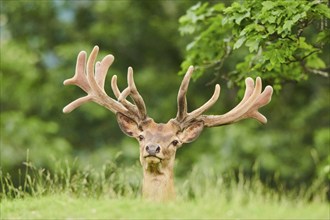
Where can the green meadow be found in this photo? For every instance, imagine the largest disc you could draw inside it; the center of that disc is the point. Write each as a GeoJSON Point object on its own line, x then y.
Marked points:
{"type": "Point", "coordinates": [114, 193]}
{"type": "Point", "coordinates": [66, 206]}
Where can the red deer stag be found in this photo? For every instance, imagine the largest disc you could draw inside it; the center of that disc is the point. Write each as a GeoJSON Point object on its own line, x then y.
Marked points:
{"type": "Point", "coordinates": [158, 141]}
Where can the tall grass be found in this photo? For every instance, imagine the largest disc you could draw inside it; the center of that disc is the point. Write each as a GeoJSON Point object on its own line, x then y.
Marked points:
{"type": "Point", "coordinates": [113, 181]}
{"type": "Point", "coordinates": [67, 178]}
{"type": "Point", "coordinates": [113, 192]}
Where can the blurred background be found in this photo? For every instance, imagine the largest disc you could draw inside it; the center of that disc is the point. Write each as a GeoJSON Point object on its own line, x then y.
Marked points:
{"type": "Point", "coordinates": [39, 44]}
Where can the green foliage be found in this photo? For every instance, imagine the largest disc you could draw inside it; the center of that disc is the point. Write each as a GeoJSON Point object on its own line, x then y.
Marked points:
{"type": "Point", "coordinates": [43, 147]}
{"type": "Point", "coordinates": [272, 39]}
{"type": "Point", "coordinates": [22, 124]}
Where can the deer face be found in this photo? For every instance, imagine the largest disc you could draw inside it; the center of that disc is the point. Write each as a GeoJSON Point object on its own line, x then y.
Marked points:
{"type": "Point", "coordinates": [158, 142]}
{"type": "Point", "coordinates": [158, 145]}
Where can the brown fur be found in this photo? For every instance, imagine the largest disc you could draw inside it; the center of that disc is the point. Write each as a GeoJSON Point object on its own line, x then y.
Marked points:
{"type": "Point", "coordinates": [158, 183]}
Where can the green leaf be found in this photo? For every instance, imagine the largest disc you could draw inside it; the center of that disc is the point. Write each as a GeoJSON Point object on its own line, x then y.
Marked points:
{"type": "Point", "coordinates": [232, 8]}
{"type": "Point", "coordinates": [276, 57]}
{"type": "Point", "coordinates": [304, 45]}
{"type": "Point", "coordinates": [315, 62]}
{"type": "Point", "coordinates": [187, 29]}
{"type": "Point", "coordinates": [287, 25]}
{"type": "Point", "coordinates": [219, 7]}
{"type": "Point", "coordinates": [271, 29]}
{"type": "Point", "coordinates": [239, 17]}
{"type": "Point", "coordinates": [298, 16]}
{"type": "Point", "coordinates": [271, 19]}
{"type": "Point", "coordinates": [323, 9]}
{"type": "Point", "coordinates": [323, 36]}
{"type": "Point", "coordinates": [267, 5]}
{"type": "Point", "coordinates": [253, 44]}
{"type": "Point", "coordinates": [190, 45]}
{"type": "Point", "coordinates": [252, 28]}
{"type": "Point", "coordinates": [196, 6]}
{"type": "Point", "coordinates": [239, 42]}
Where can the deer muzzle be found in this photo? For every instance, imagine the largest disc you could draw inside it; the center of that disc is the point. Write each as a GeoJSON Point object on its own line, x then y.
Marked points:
{"type": "Point", "coordinates": [152, 149]}
{"type": "Point", "coordinates": [152, 153]}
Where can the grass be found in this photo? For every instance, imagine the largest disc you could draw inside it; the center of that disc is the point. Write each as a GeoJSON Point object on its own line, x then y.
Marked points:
{"type": "Point", "coordinates": [65, 206]}
{"type": "Point", "coordinates": [113, 193]}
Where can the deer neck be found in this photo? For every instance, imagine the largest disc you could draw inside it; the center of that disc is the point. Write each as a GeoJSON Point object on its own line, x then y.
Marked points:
{"type": "Point", "coordinates": [158, 184]}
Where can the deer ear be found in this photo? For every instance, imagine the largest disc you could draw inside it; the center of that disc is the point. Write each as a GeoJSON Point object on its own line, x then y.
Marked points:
{"type": "Point", "coordinates": [191, 132]}
{"type": "Point", "coordinates": [127, 125]}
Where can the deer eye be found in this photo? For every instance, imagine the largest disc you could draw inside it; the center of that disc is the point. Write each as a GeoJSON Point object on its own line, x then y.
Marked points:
{"type": "Point", "coordinates": [175, 142]}
{"type": "Point", "coordinates": [141, 137]}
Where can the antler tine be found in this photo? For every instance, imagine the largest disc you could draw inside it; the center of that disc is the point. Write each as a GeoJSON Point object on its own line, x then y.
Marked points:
{"type": "Point", "coordinates": [248, 107]}
{"type": "Point", "coordinates": [137, 98]}
{"type": "Point", "coordinates": [183, 116]}
{"type": "Point", "coordinates": [206, 106]}
{"type": "Point", "coordinates": [81, 81]}
{"type": "Point", "coordinates": [182, 99]}
{"type": "Point", "coordinates": [249, 88]}
{"type": "Point", "coordinates": [93, 84]}
{"type": "Point", "coordinates": [249, 98]}
{"type": "Point", "coordinates": [102, 69]}
{"type": "Point", "coordinates": [76, 103]}
{"type": "Point", "coordinates": [263, 100]}
{"type": "Point", "coordinates": [79, 77]}
{"type": "Point", "coordinates": [114, 86]}
{"type": "Point", "coordinates": [121, 96]}
{"type": "Point", "coordinates": [90, 69]}
{"type": "Point", "coordinates": [132, 91]}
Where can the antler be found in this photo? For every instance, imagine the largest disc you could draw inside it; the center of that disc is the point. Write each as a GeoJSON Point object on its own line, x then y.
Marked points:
{"type": "Point", "coordinates": [93, 84]}
{"type": "Point", "coordinates": [248, 108]}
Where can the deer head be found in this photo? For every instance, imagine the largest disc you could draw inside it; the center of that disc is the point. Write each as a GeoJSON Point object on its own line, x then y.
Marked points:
{"type": "Point", "coordinates": [159, 142]}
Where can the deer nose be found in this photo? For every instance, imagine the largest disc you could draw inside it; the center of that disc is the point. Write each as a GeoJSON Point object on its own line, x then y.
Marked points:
{"type": "Point", "coordinates": [153, 149]}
